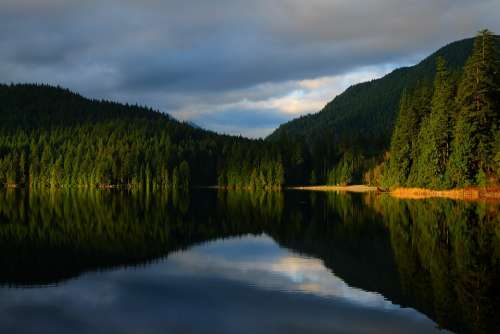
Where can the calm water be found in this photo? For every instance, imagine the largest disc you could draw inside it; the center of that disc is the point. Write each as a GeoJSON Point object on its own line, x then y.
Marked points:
{"type": "Point", "coordinates": [239, 262]}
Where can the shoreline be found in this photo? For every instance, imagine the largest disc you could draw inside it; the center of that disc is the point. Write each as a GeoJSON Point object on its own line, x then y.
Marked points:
{"type": "Point", "coordinates": [489, 194]}
{"type": "Point", "coordinates": [358, 188]}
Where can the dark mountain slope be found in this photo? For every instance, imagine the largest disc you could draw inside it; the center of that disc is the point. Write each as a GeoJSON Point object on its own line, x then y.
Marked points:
{"type": "Point", "coordinates": [52, 137]}
{"type": "Point", "coordinates": [363, 116]}
{"type": "Point", "coordinates": [34, 106]}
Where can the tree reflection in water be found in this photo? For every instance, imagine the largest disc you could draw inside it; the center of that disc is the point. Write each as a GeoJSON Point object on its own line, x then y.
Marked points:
{"type": "Point", "coordinates": [438, 256]}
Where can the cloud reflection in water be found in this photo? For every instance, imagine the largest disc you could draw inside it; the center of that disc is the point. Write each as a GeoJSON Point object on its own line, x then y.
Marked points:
{"type": "Point", "coordinates": [238, 285]}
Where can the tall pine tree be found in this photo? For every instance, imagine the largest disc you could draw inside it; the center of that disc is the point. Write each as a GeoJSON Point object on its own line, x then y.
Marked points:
{"type": "Point", "coordinates": [413, 108]}
{"type": "Point", "coordinates": [477, 98]}
{"type": "Point", "coordinates": [435, 133]}
{"type": "Point", "coordinates": [398, 166]}
{"type": "Point", "coordinates": [421, 108]}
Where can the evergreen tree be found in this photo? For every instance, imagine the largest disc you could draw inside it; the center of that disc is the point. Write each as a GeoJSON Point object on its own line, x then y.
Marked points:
{"type": "Point", "coordinates": [421, 106]}
{"type": "Point", "coordinates": [399, 162]}
{"type": "Point", "coordinates": [435, 133]}
{"type": "Point", "coordinates": [478, 98]}
{"type": "Point", "coordinates": [404, 143]}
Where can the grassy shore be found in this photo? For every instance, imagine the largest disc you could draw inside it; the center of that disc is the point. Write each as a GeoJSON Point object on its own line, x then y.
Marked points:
{"type": "Point", "coordinates": [469, 194]}
{"type": "Point", "coordinates": [488, 194]}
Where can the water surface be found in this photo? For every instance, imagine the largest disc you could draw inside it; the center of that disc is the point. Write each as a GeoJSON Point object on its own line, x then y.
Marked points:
{"type": "Point", "coordinates": [239, 262]}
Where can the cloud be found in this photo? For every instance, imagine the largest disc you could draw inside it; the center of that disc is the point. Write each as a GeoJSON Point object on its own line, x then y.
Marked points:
{"type": "Point", "coordinates": [257, 111]}
{"type": "Point", "coordinates": [175, 55]}
{"type": "Point", "coordinates": [271, 268]}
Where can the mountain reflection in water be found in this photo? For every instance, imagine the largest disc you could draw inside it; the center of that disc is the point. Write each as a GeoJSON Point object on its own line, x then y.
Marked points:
{"type": "Point", "coordinates": [211, 261]}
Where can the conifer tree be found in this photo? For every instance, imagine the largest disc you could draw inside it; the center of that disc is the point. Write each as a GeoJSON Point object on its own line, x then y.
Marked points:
{"type": "Point", "coordinates": [404, 142]}
{"type": "Point", "coordinates": [399, 163]}
{"type": "Point", "coordinates": [477, 99]}
{"type": "Point", "coordinates": [435, 133]}
{"type": "Point", "coordinates": [420, 110]}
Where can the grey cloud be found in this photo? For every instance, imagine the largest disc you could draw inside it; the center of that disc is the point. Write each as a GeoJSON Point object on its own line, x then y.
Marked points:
{"type": "Point", "coordinates": [163, 52]}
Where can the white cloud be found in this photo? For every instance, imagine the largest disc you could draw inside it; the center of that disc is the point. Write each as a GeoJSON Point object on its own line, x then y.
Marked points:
{"type": "Point", "coordinates": [291, 99]}
{"type": "Point", "coordinates": [274, 269]}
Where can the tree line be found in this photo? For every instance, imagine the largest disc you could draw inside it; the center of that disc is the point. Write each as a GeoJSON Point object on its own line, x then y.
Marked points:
{"type": "Point", "coordinates": [448, 133]}
{"type": "Point", "coordinates": [344, 142]}
{"type": "Point", "coordinates": [50, 137]}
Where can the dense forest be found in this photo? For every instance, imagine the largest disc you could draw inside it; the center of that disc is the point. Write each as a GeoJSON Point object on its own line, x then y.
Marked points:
{"type": "Point", "coordinates": [346, 141]}
{"type": "Point", "coordinates": [448, 134]}
{"type": "Point", "coordinates": [53, 137]}
{"type": "Point", "coordinates": [442, 114]}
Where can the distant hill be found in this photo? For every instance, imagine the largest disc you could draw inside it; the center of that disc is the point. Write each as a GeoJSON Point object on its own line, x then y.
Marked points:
{"type": "Point", "coordinates": [39, 105]}
{"type": "Point", "coordinates": [363, 116]}
{"type": "Point", "coordinates": [52, 137]}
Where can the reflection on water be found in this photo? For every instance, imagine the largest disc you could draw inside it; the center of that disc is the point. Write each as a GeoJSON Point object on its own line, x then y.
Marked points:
{"type": "Point", "coordinates": [260, 262]}
{"type": "Point", "coordinates": [292, 262]}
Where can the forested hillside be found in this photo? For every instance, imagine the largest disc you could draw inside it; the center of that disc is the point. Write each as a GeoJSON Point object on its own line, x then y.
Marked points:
{"type": "Point", "coordinates": [52, 137]}
{"type": "Point", "coordinates": [448, 134]}
{"type": "Point", "coordinates": [350, 135]}
{"type": "Point", "coordinates": [364, 114]}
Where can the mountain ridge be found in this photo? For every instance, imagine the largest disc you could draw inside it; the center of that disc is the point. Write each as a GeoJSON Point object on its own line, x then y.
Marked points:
{"type": "Point", "coordinates": [54, 137]}
{"type": "Point", "coordinates": [363, 115]}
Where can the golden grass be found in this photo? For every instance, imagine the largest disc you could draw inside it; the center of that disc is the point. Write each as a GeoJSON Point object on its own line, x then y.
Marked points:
{"type": "Point", "coordinates": [468, 194]}
{"type": "Point", "coordinates": [489, 194]}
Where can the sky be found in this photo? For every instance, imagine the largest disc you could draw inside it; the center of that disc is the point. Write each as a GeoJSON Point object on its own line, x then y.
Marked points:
{"type": "Point", "coordinates": [232, 66]}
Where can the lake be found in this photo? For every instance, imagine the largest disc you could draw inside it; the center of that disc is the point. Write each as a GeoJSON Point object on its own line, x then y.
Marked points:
{"type": "Point", "coordinates": [209, 261]}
